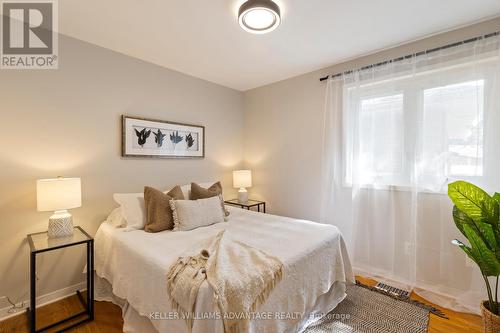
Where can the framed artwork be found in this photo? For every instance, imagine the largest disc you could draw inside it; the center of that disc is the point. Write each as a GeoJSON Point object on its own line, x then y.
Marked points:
{"type": "Point", "coordinates": [161, 139]}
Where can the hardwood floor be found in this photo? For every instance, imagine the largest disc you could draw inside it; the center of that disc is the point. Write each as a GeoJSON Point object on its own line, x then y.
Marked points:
{"type": "Point", "coordinates": [457, 323]}
{"type": "Point", "coordinates": [108, 318]}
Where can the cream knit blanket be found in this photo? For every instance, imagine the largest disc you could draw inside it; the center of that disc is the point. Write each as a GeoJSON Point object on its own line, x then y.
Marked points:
{"type": "Point", "coordinates": [240, 276]}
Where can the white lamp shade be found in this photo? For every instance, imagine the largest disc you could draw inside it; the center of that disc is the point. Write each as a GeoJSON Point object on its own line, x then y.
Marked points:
{"type": "Point", "coordinates": [58, 194]}
{"type": "Point", "coordinates": [242, 178]}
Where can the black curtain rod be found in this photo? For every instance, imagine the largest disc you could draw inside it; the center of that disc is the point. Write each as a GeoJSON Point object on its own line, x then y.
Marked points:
{"type": "Point", "coordinates": [412, 55]}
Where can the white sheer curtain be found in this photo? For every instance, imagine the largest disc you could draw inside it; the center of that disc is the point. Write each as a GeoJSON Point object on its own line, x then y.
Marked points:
{"type": "Point", "coordinates": [394, 137]}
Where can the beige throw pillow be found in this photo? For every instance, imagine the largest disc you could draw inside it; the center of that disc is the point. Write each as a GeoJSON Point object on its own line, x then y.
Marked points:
{"type": "Point", "coordinates": [158, 211]}
{"type": "Point", "coordinates": [192, 214]}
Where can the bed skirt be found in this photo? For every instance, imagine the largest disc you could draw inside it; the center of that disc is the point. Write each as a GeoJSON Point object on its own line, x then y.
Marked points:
{"type": "Point", "coordinates": [134, 322]}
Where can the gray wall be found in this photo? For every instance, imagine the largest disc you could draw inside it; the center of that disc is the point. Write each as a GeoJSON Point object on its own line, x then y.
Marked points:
{"type": "Point", "coordinates": [284, 126]}
{"type": "Point", "coordinates": [67, 122]}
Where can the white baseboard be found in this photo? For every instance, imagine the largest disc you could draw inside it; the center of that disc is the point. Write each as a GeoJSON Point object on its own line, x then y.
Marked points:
{"type": "Point", "coordinates": [44, 300]}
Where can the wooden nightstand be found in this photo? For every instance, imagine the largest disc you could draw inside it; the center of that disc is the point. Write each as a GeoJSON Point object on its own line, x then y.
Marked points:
{"type": "Point", "coordinates": [248, 205]}
{"type": "Point", "coordinates": [40, 242]}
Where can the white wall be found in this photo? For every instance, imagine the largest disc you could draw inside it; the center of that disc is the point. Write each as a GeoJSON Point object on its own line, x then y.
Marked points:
{"type": "Point", "coordinates": [67, 122]}
{"type": "Point", "coordinates": [284, 126]}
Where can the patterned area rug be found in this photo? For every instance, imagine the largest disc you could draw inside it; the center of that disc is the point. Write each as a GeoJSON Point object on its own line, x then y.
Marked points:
{"type": "Point", "coordinates": [368, 311]}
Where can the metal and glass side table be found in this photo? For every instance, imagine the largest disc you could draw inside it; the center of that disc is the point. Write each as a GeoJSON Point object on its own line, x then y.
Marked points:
{"type": "Point", "coordinates": [261, 205]}
{"type": "Point", "coordinates": [39, 243]}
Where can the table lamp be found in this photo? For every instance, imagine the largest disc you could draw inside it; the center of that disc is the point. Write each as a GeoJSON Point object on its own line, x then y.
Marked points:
{"type": "Point", "coordinates": [241, 180]}
{"type": "Point", "coordinates": [58, 195]}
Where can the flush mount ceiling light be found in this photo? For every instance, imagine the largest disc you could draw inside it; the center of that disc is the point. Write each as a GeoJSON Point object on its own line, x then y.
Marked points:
{"type": "Point", "coordinates": [259, 16]}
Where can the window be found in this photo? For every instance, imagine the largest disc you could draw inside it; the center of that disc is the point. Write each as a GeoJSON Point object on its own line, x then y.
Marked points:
{"type": "Point", "coordinates": [381, 141]}
{"type": "Point", "coordinates": [453, 127]}
{"type": "Point", "coordinates": [415, 129]}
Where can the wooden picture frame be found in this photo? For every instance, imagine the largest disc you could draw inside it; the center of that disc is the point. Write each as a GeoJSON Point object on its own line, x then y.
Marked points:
{"type": "Point", "coordinates": [152, 138]}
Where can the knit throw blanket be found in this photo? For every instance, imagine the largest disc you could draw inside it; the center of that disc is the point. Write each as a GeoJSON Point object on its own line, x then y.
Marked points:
{"type": "Point", "coordinates": [240, 276]}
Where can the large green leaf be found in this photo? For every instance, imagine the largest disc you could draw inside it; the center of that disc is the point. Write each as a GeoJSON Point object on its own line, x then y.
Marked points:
{"type": "Point", "coordinates": [466, 249]}
{"type": "Point", "coordinates": [461, 219]}
{"type": "Point", "coordinates": [474, 202]}
{"type": "Point", "coordinates": [496, 230]}
{"type": "Point", "coordinates": [496, 197]}
{"type": "Point", "coordinates": [484, 230]}
{"type": "Point", "coordinates": [484, 257]}
{"type": "Point", "coordinates": [488, 236]}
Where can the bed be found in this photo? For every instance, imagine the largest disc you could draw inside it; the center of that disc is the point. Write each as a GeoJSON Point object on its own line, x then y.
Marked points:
{"type": "Point", "coordinates": [131, 267]}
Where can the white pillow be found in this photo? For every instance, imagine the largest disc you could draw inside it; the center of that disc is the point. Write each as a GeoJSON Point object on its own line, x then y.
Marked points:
{"type": "Point", "coordinates": [116, 218]}
{"type": "Point", "coordinates": [133, 209]}
{"type": "Point", "coordinates": [192, 214]}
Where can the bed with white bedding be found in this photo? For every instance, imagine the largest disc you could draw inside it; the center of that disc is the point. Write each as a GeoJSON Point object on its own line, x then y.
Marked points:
{"type": "Point", "coordinates": [316, 268]}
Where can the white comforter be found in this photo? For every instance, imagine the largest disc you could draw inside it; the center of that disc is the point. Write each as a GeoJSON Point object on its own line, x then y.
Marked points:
{"type": "Point", "coordinates": [314, 258]}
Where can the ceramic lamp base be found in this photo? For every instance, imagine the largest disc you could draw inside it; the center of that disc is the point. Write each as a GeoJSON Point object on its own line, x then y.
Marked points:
{"type": "Point", "coordinates": [243, 196]}
{"type": "Point", "coordinates": [60, 224]}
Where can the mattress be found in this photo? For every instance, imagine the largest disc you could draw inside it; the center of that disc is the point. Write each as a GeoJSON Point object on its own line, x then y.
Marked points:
{"type": "Point", "coordinates": [314, 255]}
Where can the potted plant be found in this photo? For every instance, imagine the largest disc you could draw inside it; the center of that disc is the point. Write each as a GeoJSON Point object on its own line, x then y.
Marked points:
{"type": "Point", "coordinates": [477, 216]}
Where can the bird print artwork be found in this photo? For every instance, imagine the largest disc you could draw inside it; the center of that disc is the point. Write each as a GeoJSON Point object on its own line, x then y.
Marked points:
{"type": "Point", "coordinates": [142, 136]}
{"type": "Point", "coordinates": [159, 136]}
{"type": "Point", "coordinates": [189, 140]}
{"type": "Point", "coordinates": [161, 139]}
{"type": "Point", "coordinates": [175, 137]}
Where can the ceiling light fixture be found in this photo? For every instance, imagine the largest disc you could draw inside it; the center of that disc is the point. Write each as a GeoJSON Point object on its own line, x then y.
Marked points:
{"type": "Point", "coordinates": [259, 16]}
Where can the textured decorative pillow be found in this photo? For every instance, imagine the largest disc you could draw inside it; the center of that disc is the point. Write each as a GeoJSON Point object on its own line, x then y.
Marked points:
{"type": "Point", "coordinates": [158, 211]}
{"type": "Point", "coordinates": [186, 189]}
{"type": "Point", "coordinates": [133, 210]}
{"type": "Point", "coordinates": [192, 214]}
{"type": "Point", "coordinates": [198, 192]}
